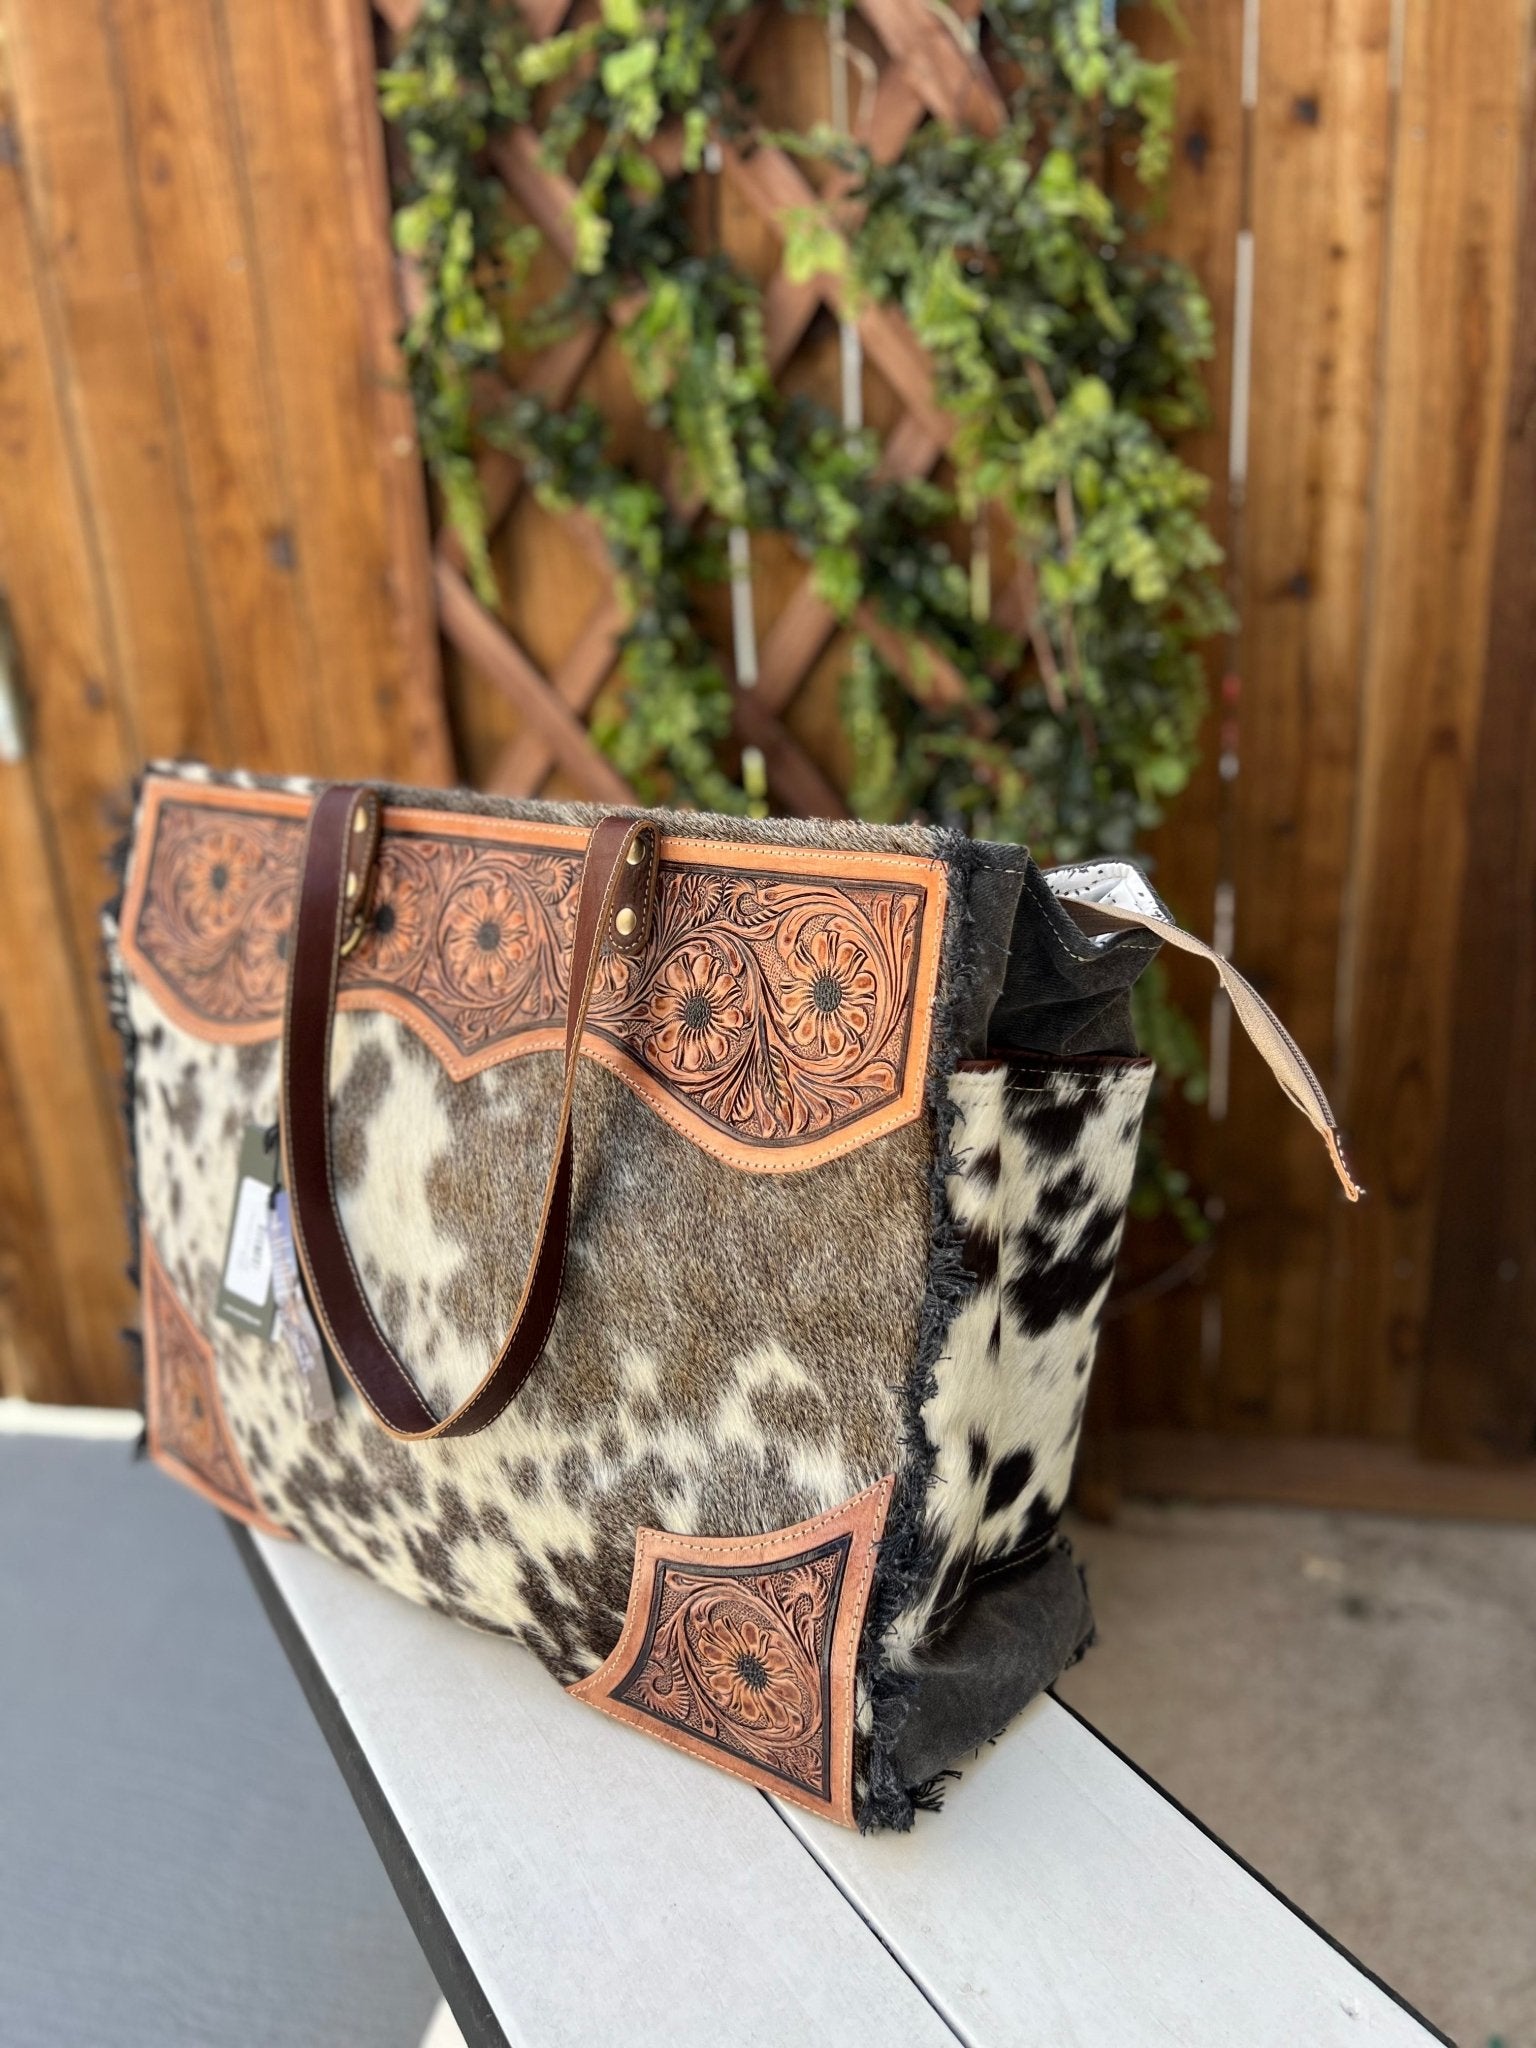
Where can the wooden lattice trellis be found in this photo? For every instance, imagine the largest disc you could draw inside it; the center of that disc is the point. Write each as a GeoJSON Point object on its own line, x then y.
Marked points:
{"type": "Point", "coordinates": [919, 63]}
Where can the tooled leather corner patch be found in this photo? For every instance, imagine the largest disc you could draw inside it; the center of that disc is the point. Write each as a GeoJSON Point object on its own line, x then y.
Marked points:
{"type": "Point", "coordinates": [741, 1650]}
{"type": "Point", "coordinates": [183, 1414]}
{"type": "Point", "coordinates": [779, 1015]}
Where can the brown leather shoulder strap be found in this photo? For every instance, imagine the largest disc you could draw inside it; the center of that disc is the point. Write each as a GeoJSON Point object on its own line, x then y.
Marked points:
{"type": "Point", "coordinates": [333, 891]}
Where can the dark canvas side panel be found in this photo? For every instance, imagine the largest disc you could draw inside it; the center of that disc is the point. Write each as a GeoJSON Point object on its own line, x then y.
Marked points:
{"type": "Point", "coordinates": [1035, 981]}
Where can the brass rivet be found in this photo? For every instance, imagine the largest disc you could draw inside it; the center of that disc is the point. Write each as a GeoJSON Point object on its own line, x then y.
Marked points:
{"type": "Point", "coordinates": [636, 853]}
{"type": "Point", "coordinates": [360, 821]}
{"type": "Point", "coordinates": [351, 885]}
{"type": "Point", "coordinates": [625, 922]}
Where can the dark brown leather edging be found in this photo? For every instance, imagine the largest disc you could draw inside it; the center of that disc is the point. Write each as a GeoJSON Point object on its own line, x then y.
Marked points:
{"type": "Point", "coordinates": [343, 825]}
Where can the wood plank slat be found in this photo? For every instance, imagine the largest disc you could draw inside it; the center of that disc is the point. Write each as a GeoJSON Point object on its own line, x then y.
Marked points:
{"type": "Point", "coordinates": [525, 762]}
{"type": "Point", "coordinates": [1449, 314]}
{"type": "Point", "coordinates": [553, 376]}
{"type": "Point", "coordinates": [34, 1337]}
{"type": "Point", "coordinates": [1478, 1397]}
{"type": "Point", "coordinates": [69, 122]}
{"type": "Point", "coordinates": [584, 1871]}
{"type": "Point", "coordinates": [1357, 1473]}
{"type": "Point", "coordinates": [1321, 170]}
{"type": "Point", "coordinates": [408, 600]}
{"type": "Point", "coordinates": [791, 771]}
{"type": "Point", "coordinates": [287, 124]}
{"type": "Point", "coordinates": [79, 740]}
{"type": "Point", "coordinates": [546, 196]}
{"type": "Point", "coordinates": [794, 641]}
{"type": "Point", "coordinates": [71, 1134]}
{"type": "Point", "coordinates": [147, 564]}
{"type": "Point", "coordinates": [204, 291]}
{"type": "Point", "coordinates": [773, 186]}
{"type": "Point", "coordinates": [581, 675]}
{"type": "Point", "coordinates": [1123, 1923]}
{"type": "Point", "coordinates": [1162, 1360]}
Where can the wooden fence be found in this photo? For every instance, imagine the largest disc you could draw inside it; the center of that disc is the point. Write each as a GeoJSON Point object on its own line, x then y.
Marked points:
{"type": "Point", "coordinates": [210, 501]}
{"type": "Point", "coordinates": [212, 531]}
{"type": "Point", "coordinates": [1355, 185]}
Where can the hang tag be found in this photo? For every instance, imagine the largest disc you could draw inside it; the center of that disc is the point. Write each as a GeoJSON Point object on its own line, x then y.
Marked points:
{"type": "Point", "coordinates": [245, 1292]}
{"type": "Point", "coordinates": [295, 1324]}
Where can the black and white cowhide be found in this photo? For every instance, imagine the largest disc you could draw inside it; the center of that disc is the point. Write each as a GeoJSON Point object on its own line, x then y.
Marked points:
{"type": "Point", "coordinates": [1044, 1156]}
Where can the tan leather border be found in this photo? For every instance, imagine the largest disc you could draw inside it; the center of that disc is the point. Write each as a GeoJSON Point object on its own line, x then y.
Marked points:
{"type": "Point", "coordinates": [862, 1521]}
{"type": "Point", "coordinates": [153, 1275]}
{"type": "Point", "coordinates": [793, 862]}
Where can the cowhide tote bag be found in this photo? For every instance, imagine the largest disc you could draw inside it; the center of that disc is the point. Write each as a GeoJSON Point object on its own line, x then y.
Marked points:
{"type": "Point", "coordinates": [672, 1242]}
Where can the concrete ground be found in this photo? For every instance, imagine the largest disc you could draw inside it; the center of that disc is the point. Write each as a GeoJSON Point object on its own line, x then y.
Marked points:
{"type": "Point", "coordinates": [1349, 1701]}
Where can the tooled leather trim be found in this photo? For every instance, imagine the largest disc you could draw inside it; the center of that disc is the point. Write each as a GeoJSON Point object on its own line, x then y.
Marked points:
{"type": "Point", "coordinates": [741, 1650]}
{"type": "Point", "coordinates": [779, 1014]}
{"type": "Point", "coordinates": [188, 1434]}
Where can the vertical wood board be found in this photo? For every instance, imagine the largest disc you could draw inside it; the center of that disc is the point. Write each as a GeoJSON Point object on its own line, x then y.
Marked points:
{"type": "Point", "coordinates": [1152, 1363]}
{"type": "Point", "coordinates": [1320, 183]}
{"type": "Point", "coordinates": [93, 264]}
{"type": "Point", "coordinates": [1446, 367]}
{"type": "Point", "coordinates": [78, 738]}
{"type": "Point", "coordinates": [326, 386]}
{"type": "Point", "coordinates": [1479, 1391]}
{"type": "Point", "coordinates": [205, 287]}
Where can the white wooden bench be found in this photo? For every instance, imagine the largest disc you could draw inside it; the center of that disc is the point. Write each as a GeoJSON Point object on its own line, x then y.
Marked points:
{"type": "Point", "coordinates": [574, 1883]}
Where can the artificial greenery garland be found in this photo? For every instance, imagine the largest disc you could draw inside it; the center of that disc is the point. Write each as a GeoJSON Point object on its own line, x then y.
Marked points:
{"type": "Point", "coordinates": [1066, 357]}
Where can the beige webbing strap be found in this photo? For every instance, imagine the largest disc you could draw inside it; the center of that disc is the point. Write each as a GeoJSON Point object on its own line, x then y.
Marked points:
{"type": "Point", "coordinates": [1284, 1056]}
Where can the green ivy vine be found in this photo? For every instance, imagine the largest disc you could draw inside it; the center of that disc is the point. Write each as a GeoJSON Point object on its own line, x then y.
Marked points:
{"type": "Point", "coordinates": [1062, 570]}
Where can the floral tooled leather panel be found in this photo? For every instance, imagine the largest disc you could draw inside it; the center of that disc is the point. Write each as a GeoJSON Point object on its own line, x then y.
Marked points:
{"type": "Point", "coordinates": [778, 1016]}
{"type": "Point", "coordinates": [741, 1650]}
{"type": "Point", "coordinates": [183, 1414]}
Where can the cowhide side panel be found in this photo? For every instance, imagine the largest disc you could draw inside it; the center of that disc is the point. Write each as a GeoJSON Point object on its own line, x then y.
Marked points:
{"type": "Point", "coordinates": [1044, 1154]}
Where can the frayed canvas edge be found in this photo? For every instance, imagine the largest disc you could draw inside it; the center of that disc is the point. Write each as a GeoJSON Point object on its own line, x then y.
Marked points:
{"type": "Point", "coordinates": [1090, 1634]}
{"type": "Point", "coordinates": [906, 1561]}
{"type": "Point", "coordinates": [114, 979]}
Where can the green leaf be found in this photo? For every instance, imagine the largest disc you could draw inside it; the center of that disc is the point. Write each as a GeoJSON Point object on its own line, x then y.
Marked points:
{"type": "Point", "coordinates": [695, 137]}
{"type": "Point", "coordinates": [556, 57]}
{"type": "Point", "coordinates": [625, 69]}
{"type": "Point", "coordinates": [591, 232]}
{"type": "Point", "coordinates": [415, 226]}
{"type": "Point", "coordinates": [813, 246]}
